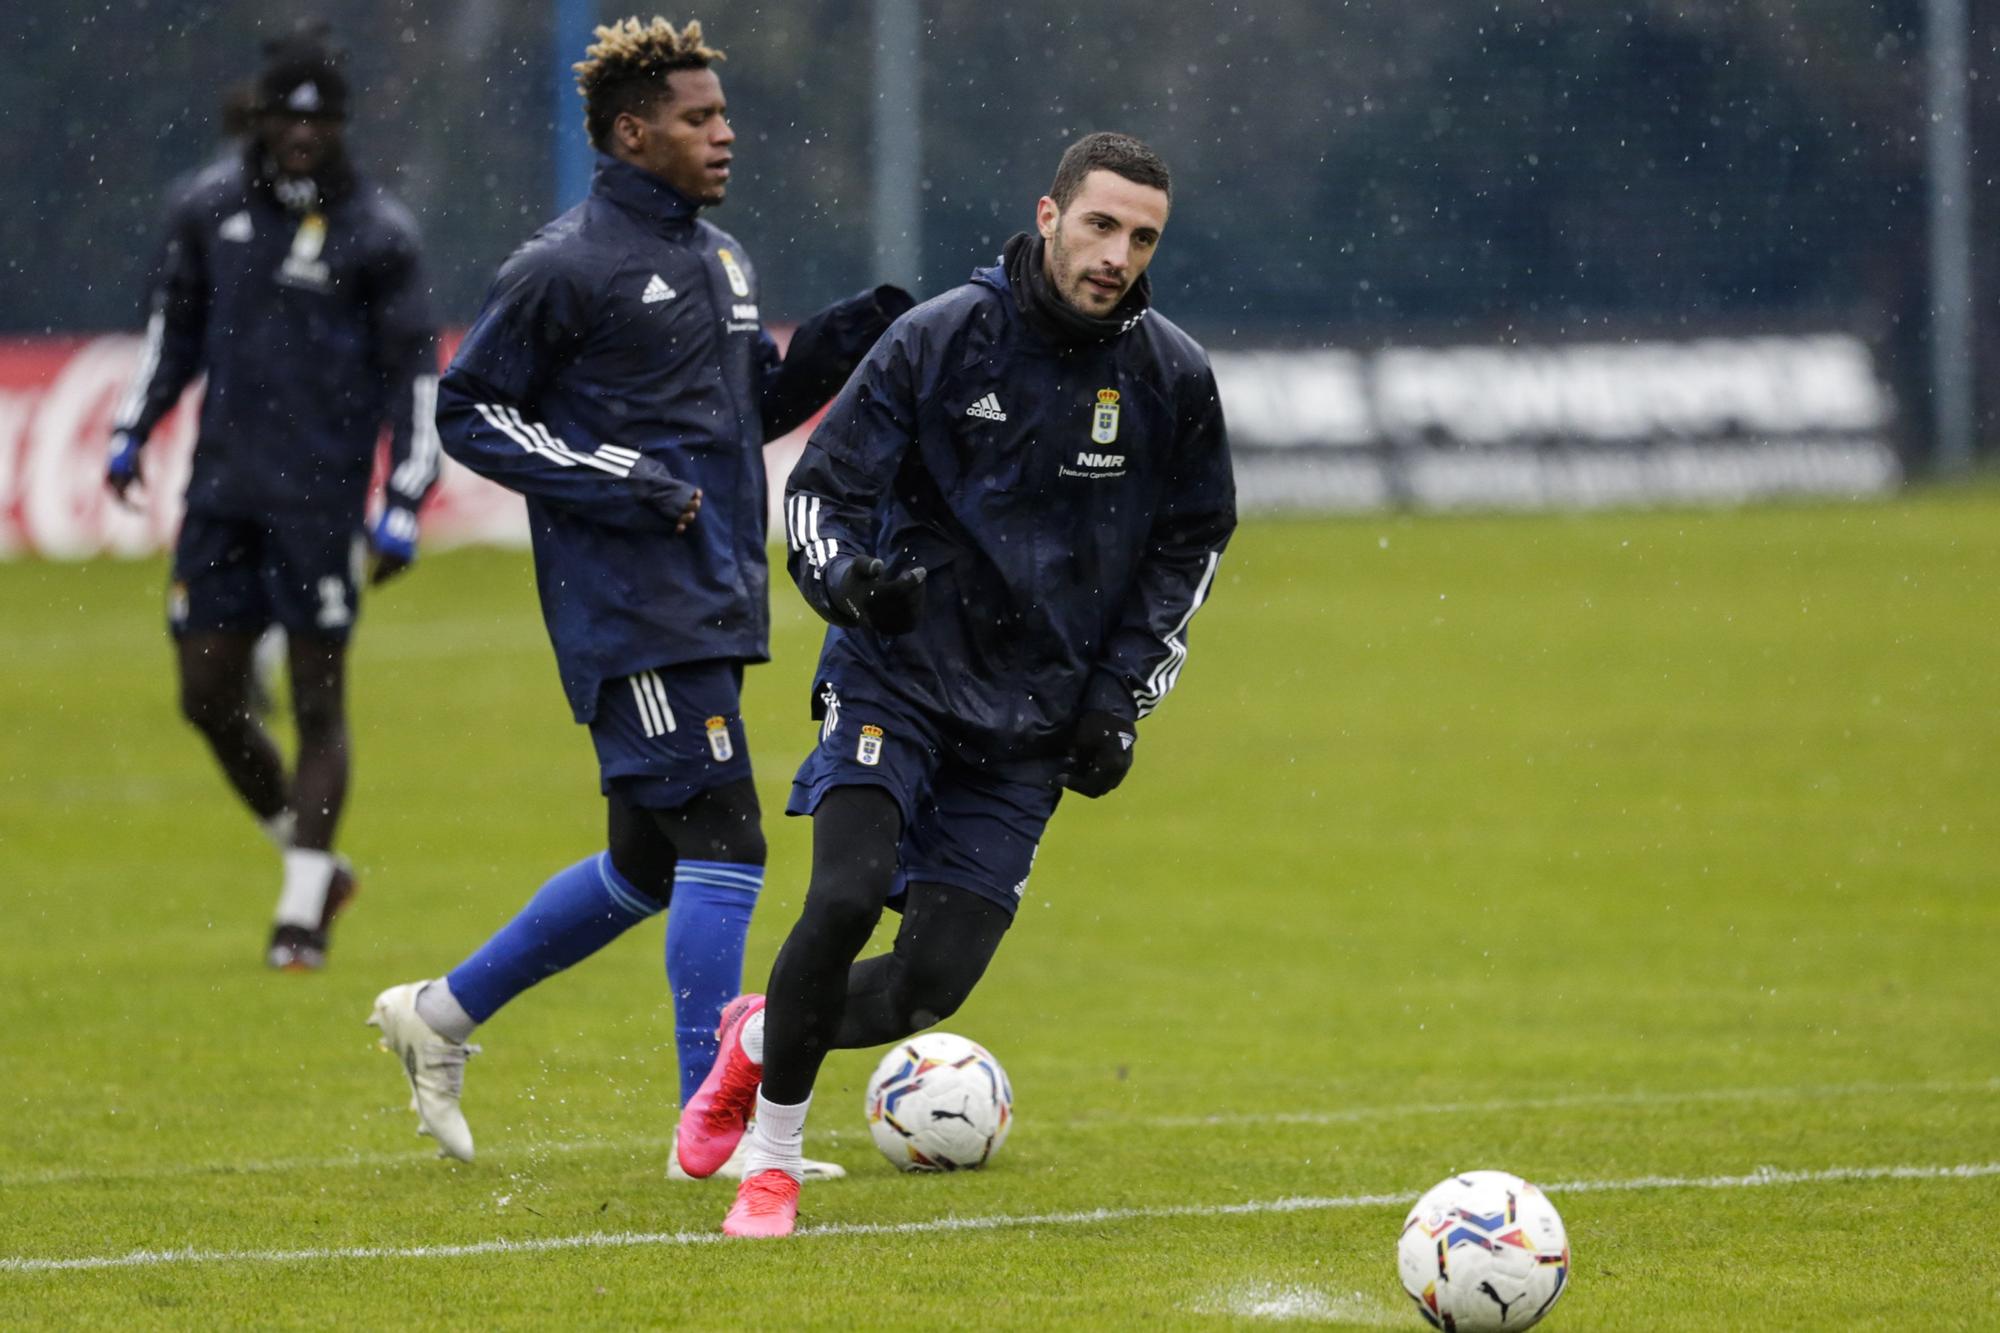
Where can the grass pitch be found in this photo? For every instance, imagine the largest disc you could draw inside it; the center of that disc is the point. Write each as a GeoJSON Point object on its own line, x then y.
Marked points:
{"type": "Point", "coordinates": [1651, 856]}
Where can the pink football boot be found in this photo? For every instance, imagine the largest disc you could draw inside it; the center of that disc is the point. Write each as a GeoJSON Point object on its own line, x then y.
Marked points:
{"type": "Point", "coordinates": [713, 1121]}
{"type": "Point", "coordinates": [767, 1204]}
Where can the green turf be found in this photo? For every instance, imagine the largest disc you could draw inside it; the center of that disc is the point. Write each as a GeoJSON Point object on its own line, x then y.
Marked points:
{"type": "Point", "coordinates": [1595, 848]}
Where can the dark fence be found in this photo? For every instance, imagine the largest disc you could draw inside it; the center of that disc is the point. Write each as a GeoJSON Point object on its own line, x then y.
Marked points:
{"type": "Point", "coordinates": [1365, 173]}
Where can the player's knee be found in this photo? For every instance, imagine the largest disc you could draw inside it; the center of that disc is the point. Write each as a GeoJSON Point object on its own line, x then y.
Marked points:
{"type": "Point", "coordinates": [319, 716]}
{"type": "Point", "coordinates": [741, 845]}
{"type": "Point", "coordinates": [644, 859]}
{"type": "Point", "coordinates": [918, 1002]}
{"type": "Point", "coordinates": [932, 995]}
{"type": "Point", "coordinates": [839, 914]}
{"type": "Point", "coordinates": [722, 824]}
{"type": "Point", "coordinates": [742, 830]}
{"type": "Point", "coordinates": [843, 916]}
{"type": "Point", "coordinates": [913, 1014]}
{"type": "Point", "coordinates": [737, 840]}
{"type": "Point", "coordinates": [208, 707]}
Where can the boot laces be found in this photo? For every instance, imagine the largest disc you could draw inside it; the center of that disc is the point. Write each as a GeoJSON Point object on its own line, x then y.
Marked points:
{"type": "Point", "coordinates": [769, 1191]}
{"type": "Point", "coordinates": [737, 1093]}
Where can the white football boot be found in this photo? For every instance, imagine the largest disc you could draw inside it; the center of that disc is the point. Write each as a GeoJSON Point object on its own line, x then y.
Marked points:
{"type": "Point", "coordinates": [434, 1066]}
{"type": "Point", "coordinates": [733, 1168]}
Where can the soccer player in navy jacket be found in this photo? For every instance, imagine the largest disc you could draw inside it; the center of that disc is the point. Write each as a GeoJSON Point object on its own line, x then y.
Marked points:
{"type": "Point", "coordinates": [621, 379]}
{"type": "Point", "coordinates": [1009, 516]}
{"type": "Point", "coordinates": [295, 286]}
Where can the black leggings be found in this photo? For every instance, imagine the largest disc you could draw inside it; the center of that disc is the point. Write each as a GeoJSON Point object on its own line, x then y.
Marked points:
{"type": "Point", "coordinates": [216, 670]}
{"type": "Point", "coordinates": [721, 824]}
{"type": "Point", "coordinates": [820, 999]}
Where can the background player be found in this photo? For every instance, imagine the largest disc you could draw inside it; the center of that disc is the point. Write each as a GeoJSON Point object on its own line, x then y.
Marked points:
{"type": "Point", "coordinates": [1010, 515]}
{"type": "Point", "coordinates": [295, 286]}
{"type": "Point", "coordinates": [620, 378]}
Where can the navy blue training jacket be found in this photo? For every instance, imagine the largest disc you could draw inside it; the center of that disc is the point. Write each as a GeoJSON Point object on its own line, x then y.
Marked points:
{"type": "Point", "coordinates": [629, 326]}
{"type": "Point", "coordinates": [314, 330]}
{"type": "Point", "coordinates": [1069, 505]}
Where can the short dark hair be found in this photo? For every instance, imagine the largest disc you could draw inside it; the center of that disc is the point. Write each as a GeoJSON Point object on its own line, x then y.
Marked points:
{"type": "Point", "coordinates": [1106, 151]}
{"type": "Point", "coordinates": [625, 72]}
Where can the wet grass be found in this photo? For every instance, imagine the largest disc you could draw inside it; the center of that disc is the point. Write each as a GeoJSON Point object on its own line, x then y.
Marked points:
{"type": "Point", "coordinates": [1596, 848]}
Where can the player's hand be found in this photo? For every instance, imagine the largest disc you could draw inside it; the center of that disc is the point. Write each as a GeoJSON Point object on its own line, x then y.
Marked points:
{"type": "Point", "coordinates": [1100, 754]}
{"type": "Point", "coordinates": [892, 302]}
{"type": "Point", "coordinates": [121, 472]}
{"type": "Point", "coordinates": [863, 594]}
{"type": "Point", "coordinates": [664, 493]}
{"type": "Point", "coordinates": [394, 541]}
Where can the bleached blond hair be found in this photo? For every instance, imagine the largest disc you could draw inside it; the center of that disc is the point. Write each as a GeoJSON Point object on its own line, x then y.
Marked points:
{"type": "Point", "coordinates": [625, 70]}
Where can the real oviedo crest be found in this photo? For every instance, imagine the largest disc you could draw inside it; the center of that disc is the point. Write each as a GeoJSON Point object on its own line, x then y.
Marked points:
{"type": "Point", "coordinates": [869, 749]}
{"type": "Point", "coordinates": [734, 272]}
{"type": "Point", "coordinates": [719, 743]}
{"type": "Point", "coordinates": [1104, 421]}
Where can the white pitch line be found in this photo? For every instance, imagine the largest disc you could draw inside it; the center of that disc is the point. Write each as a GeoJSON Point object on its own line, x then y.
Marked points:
{"type": "Point", "coordinates": [1763, 1177]}
{"type": "Point", "coordinates": [1249, 1119]}
{"type": "Point", "coordinates": [421, 1155]}
{"type": "Point", "coordinates": [1573, 1101]}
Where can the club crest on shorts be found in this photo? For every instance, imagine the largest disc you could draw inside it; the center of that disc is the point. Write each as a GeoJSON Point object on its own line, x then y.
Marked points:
{"type": "Point", "coordinates": [868, 749]}
{"type": "Point", "coordinates": [719, 743]}
{"type": "Point", "coordinates": [177, 602]}
{"type": "Point", "coordinates": [734, 272]}
{"type": "Point", "coordinates": [1104, 421]}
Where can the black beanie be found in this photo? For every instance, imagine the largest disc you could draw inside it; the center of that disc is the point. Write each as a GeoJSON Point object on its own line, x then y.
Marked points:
{"type": "Point", "coordinates": [302, 76]}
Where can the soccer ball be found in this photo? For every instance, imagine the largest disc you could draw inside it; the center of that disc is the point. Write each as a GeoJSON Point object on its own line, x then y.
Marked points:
{"type": "Point", "coordinates": [1483, 1251]}
{"type": "Point", "coordinates": [939, 1103]}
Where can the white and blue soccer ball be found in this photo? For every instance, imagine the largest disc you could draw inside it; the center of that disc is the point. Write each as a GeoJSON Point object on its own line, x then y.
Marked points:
{"type": "Point", "coordinates": [1483, 1251]}
{"type": "Point", "coordinates": [939, 1102]}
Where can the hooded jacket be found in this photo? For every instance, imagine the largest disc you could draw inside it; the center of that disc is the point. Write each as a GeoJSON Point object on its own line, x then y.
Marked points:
{"type": "Point", "coordinates": [1069, 498]}
{"type": "Point", "coordinates": [629, 327]}
{"type": "Point", "coordinates": [313, 325]}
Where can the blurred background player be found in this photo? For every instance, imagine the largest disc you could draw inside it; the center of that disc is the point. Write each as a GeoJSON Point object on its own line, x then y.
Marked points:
{"type": "Point", "coordinates": [620, 378]}
{"type": "Point", "coordinates": [1009, 516]}
{"type": "Point", "coordinates": [295, 286]}
{"type": "Point", "coordinates": [236, 126]}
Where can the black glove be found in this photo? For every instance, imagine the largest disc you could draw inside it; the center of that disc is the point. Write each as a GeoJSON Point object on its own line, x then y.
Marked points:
{"type": "Point", "coordinates": [891, 303]}
{"type": "Point", "coordinates": [862, 596]}
{"type": "Point", "coordinates": [1100, 754]}
{"type": "Point", "coordinates": [664, 493]}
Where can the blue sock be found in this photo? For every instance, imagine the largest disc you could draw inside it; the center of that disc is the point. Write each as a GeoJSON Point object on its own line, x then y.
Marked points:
{"type": "Point", "coordinates": [705, 933]}
{"type": "Point", "coordinates": [578, 912]}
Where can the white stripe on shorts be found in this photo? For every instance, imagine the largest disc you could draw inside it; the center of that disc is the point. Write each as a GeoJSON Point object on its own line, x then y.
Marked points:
{"type": "Point", "coordinates": [647, 721]}
{"type": "Point", "coordinates": [663, 710]}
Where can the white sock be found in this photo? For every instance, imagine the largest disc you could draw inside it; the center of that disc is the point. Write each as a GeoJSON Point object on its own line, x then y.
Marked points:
{"type": "Point", "coordinates": [308, 874]}
{"type": "Point", "coordinates": [278, 828]}
{"type": "Point", "coordinates": [777, 1139]}
{"type": "Point", "coordinates": [442, 1013]}
{"type": "Point", "coordinates": [751, 1038]}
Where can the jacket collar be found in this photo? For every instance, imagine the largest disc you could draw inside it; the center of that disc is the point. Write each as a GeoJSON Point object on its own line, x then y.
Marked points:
{"type": "Point", "coordinates": [644, 195]}
{"type": "Point", "coordinates": [324, 190]}
{"type": "Point", "coordinates": [1057, 323]}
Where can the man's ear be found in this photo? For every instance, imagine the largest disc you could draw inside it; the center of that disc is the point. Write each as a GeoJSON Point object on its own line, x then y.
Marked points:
{"type": "Point", "coordinates": [627, 131]}
{"type": "Point", "coordinates": [1047, 215]}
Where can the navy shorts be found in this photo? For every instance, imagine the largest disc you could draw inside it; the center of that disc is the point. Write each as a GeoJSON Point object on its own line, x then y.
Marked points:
{"type": "Point", "coordinates": [665, 736]}
{"type": "Point", "coordinates": [239, 575]}
{"type": "Point", "coordinates": [971, 824]}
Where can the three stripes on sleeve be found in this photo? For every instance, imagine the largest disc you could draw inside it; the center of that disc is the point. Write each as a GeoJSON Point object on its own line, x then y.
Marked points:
{"type": "Point", "coordinates": [536, 438]}
{"type": "Point", "coordinates": [802, 531]}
